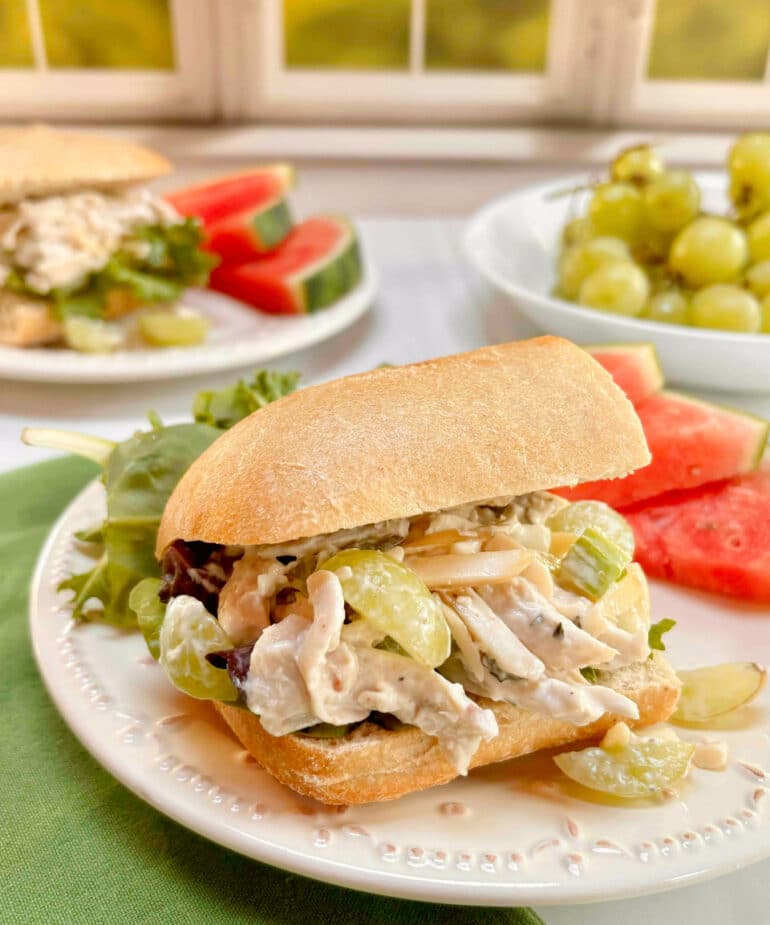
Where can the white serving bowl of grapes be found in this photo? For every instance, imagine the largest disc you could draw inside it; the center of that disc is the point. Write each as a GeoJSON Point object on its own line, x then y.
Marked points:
{"type": "Point", "coordinates": [646, 253]}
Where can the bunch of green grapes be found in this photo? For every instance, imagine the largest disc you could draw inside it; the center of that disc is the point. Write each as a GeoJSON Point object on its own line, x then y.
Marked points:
{"type": "Point", "coordinates": [645, 249]}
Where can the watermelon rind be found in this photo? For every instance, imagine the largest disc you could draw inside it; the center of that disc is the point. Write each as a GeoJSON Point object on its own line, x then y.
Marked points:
{"type": "Point", "coordinates": [272, 224]}
{"type": "Point", "coordinates": [332, 276]}
{"type": "Point", "coordinates": [646, 360]}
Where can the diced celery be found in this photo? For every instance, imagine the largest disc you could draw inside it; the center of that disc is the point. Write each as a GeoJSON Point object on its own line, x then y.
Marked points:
{"type": "Point", "coordinates": [577, 517]}
{"type": "Point", "coordinates": [592, 564]}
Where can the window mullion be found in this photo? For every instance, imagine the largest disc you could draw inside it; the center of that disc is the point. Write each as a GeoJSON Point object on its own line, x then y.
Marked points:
{"type": "Point", "coordinates": [35, 23]}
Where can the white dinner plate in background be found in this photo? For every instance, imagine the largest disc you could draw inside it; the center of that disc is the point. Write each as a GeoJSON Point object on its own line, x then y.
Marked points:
{"type": "Point", "coordinates": [507, 835]}
{"type": "Point", "coordinates": [514, 242]}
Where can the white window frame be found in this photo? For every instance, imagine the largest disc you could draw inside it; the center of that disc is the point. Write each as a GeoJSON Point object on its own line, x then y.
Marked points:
{"type": "Point", "coordinates": [631, 98]}
{"type": "Point", "coordinates": [255, 84]}
{"type": "Point", "coordinates": [186, 92]}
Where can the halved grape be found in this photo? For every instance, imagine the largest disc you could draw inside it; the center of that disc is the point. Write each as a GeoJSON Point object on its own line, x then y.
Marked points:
{"type": "Point", "coordinates": [638, 165]}
{"type": "Point", "coordinates": [621, 288]}
{"type": "Point", "coordinates": [577, 517]}
{"type": "Point", "coordinates": [749, 166]}
{"type": "Point", "coordinates": [639, 769]}
{"type": "Point", "coordinates": [671, 200]}
{"type": "Point", "coordinates": [188, 634]}
{"type": "Point", "coordinates": [592, 564]}
{"type": "Point", "coordinates": [173, 329]}
{"type": "Point", "coordinates": [395, 600]}
{"type": "Point", "coordinates": [150, 612]}
{"type": "Point", "coordinates": [758, 278]}
{"type": "Point", "coordinates": [758, 234]}
{"type": "Point", "coordinates": [728, 308]}
{"type": "Point", "coordinates": [92, 335]}
{"type": "Point", "coordinates": [670, 306]}
{"type": "Point", "coordinates": [709, 250]}
{"type": "Point", "coordinates": [718, 689]}
{"type": "Point", "coordinates": [580, 261]}
{"type": "Point", "coordinates": [617, 210]}
{"type": "Point", "coordinates": [577, 231]}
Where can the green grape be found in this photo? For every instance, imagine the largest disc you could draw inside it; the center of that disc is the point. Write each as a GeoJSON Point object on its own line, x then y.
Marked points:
{"type": "Point", "coordinates": [173, 329]}
{"type": "Point", "coordinates": [617, 210]}
{"type": "Point", "coordinates": [728, 308]}
{"type": "Point", "coordinates": [758, 278]}
{"type": "Point", "coordinates": [578, 231]}
{"type": "Point", "coordinates": [592, 564]}
{"type": "Point", "coordinates": [92, 335]}
{"type": "Point", "coordinates": [669, 306]}
{"type": "Point", "coordinates": [580, 261]}
{"type": "Point", "coordinates": [150, 612]}
{"type": "Point", "coordinates": [187, 635]}
{"type": "Point", "coordinates": [576, 518]}
{"type": "Point", "coordinates": [638, 769]}
{"type": "Point", "coordinates": [394, 599]}
{"type": "Point", "coordinates": [616, 287]}
{"type": "Point", "coordinates": [709, 250]}
{"type": "Point", "coordinates": [671, 201]}
{"type": "Point", "coordinates": [765, 309]}
{"type": "Point", "coordinates": [749, 166]}
{"type": "Point", "coordinates": [758, 234]}
{"type": "Point", "coordinates": [638, 165]}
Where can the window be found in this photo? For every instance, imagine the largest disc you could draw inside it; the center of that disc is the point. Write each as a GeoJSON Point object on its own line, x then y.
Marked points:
{"type": "Point", "coordinates": [694, 63]}
{"type": "Point", "coordinates": [405, 60]}
{"type": "Point", "coordinates": [101, 59]}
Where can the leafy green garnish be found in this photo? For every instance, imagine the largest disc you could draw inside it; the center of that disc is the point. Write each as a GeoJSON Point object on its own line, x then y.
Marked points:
{"type": "Point", "coordinates": [230, 405]}
{"type": "Point", "coordinates": [655, 635]}
{"type": "Point", "coordinates": [590, 674]}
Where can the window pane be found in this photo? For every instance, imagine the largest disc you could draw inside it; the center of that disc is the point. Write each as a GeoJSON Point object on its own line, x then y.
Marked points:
{"type": "Point", "coordinates": [360, 34]}
{"type": "Point", "coordinates": [108, 34]}
{"type": "Point", "coordinates": [710, 40]}
{"type": "Point", "coordinates": [494, 35]}
{"type": "Point", "coordinates": [15, 41]}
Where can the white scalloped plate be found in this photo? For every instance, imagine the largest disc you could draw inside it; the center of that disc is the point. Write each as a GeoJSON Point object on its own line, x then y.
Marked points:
{"type": "Point", "coordinates": [509, 835]}
{"type": "Point", "coordinates": [239, 336]}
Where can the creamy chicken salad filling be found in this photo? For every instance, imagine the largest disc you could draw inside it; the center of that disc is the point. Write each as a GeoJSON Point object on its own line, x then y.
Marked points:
{"type": "Point", "coordinates": [525, 601]}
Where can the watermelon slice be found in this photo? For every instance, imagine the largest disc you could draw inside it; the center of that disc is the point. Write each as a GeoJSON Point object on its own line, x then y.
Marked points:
{"type": "Point", "coordinates": [691, 443]}
{"type": "Point", "coordinates": [716, 537]}
{"type": "Point", "coordinates": [634, 367]}
{"type": "Point", "coordinates": [316, 265]}
{"type": "Point", "coordinates": [244, 214]}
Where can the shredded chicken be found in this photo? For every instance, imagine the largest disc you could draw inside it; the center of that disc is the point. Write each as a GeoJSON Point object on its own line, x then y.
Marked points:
{"type": "Point", "coordinates": [244, 601]}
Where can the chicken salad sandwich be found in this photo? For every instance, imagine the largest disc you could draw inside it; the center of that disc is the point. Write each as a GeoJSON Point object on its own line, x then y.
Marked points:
{"type": "Point", "coordinates": [83, 242]}
{"type": "Point", "coordinates": [371, 581]}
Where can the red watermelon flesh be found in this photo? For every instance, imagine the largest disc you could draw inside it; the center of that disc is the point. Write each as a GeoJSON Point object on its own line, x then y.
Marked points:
{"type": "Point", "coordinates": [691, 443]}
{"type": "Point", "coordinates": [224, 197]}
{"type": "Point", "coordinates": [716, 537]}
{"type": "Point", "coordinates": [634, 367]}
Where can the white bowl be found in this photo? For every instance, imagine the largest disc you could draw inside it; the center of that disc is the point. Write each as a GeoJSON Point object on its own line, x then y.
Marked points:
{"type": "Point", "coordinates": [514, 243]}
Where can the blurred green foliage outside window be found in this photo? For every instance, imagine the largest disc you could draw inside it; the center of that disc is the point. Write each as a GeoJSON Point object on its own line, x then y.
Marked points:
{"type": "Point", "coordinates": [710, 40]}
{"type": "Point", "coordinates": [15, 40]}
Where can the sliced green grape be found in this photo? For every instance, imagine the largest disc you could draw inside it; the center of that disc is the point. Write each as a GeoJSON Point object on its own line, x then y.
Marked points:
{"type": "Point", "coordinates": [580, 261]}
{"type": "Point", "coordinates": [617, 210]}
{"type": "Point", "coordinates": [717, 689]}
{"type": "Point", "coordinates": [578, 231]}
{"type": "Point", "coordinates": [758, 234]}
{"type": "Point", "coordinates": [150, 611]}
{"type": "Point", "coordinates": [592, 564]}
{"type": "Point", "coordinates": [638, 165]}
{"type": "Point", "coordinates": [671, 200]}
{"type": "Point", "coordinates": [758, 278]}
{"type": "Point", "coordinates": [764, 306]}
{"type": "Point", "coordinates": [709, 250]}
{"type": "Point", "coordinates": [639, 769]}
{"type": "Point", "coordinates": [91, 335]}
{"type": "Point", "coordinates": [728, 308]}
{"type": "Point", "coordinates": [173, 329]}
{"type": "Point", "coordinates": [670, 306]}
{"type": "Point", "coordinates": [188, 634]}
{"type": "Point", "coordinates": [577, 517]}
{"type": "Point", "coordinates": [395, 600]}
{"type": "Point", "coordinates": [749, 166]}
{"type": "Point", "coordinates": [622, 288]}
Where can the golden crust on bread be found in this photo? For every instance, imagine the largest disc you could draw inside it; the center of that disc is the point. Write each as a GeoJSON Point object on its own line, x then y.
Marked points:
{"type": "Point", "coordinates": [41, 161]}
{"type": "Point", "coordinates": [26, 322]}
{"type": "Point", "coordinates": [372, 764]}
{"type": "Point", "coordinates": [402, 441]}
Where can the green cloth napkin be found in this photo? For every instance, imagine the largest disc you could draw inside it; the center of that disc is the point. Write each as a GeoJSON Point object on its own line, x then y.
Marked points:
{"type": "Point", "coordinates": [79, 848]}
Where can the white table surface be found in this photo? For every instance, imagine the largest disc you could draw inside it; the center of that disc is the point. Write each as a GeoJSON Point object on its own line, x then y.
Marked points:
{"type": "Point", "coordinates": [431, 303]}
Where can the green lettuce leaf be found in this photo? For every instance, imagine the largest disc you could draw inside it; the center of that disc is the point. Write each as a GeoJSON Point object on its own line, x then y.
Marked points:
{"type": "Point", "coordinates": [227, 406]}
{"type": "Point", "coordinates": [655, 635]}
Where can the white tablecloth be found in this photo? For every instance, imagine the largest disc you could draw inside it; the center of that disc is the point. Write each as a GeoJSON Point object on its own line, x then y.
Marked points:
{"type": "Point", "coordinates": [430, 303]}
